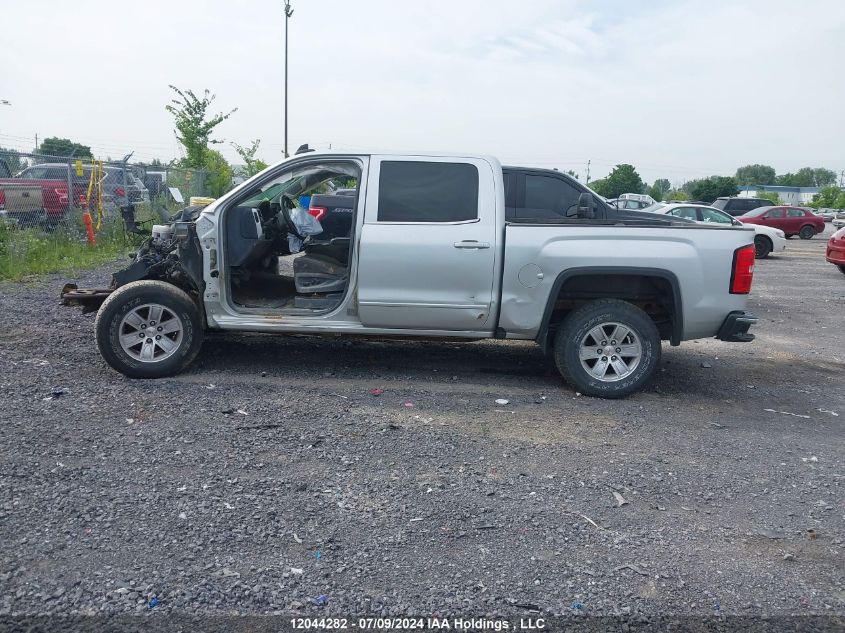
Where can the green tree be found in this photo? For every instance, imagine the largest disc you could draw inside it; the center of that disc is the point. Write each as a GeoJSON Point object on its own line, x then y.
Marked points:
{"type": "Point", "coordinates": [13, 159]}
{"type": "Point", "coordinates": [770, 195]}
{"type": "Point", "coordinates": [708, 189]}
{"type": "Point", "coordinates": [194, 125]}
{"type": "Point", "coordinates": [755, 175]}
{"type": "Point", "coordinates": [831, 197]}
{"type": "Point", "coordinates": [600, 187]}
{"type": "Point", "coordinates": [218, 178]}
{"type": "Point", "coordinates": [252, 165]}
{"type": "Point", "coordinates": [572, 173]}
{"type": "Point", "coordinates": [655, 192]}
{"type": "Point", "coordinates": [676, 194]}
{"type": "Point", "coordinates": [623, 179]}
{"type": "Point", "coordinates": [663, 184]}
{"type": "Point", "coordinates": [824, 177]}
{"type": "Point", "coordinates": [808, 177]}
{"type": "Point", "coordinates": [658, 190]}
{"type": "Point", "coordinates": [55, 146]}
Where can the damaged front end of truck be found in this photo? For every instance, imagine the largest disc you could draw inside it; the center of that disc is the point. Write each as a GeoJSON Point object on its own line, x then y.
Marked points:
{"type": "Point", "coordinates": [171, 254]}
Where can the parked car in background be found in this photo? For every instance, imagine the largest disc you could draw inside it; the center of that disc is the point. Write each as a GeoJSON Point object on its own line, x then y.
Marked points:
{"type": "Point", "coordinates": [767, 239]}
{"type": "Point", "coordinates": [39, 194]}
{"type": "Point", "coordinates": [632, 201]}
{"type": "Point", "coordinates": [839, 220]}
{"type": "Point", "coordinates": [740, 206]}
{"type": "Point", "coordinates": [826, 214]}
{"type": "Point", "coordinates": [791, 220]}
{"type": "Point", "coordinates": [5, 171]}
{"type": "Point", "coordinates": [133, 192]}
{"type": "Point", "coordinates": [836, 249]}
{"type": "Point", "coordinates": [334, 211]}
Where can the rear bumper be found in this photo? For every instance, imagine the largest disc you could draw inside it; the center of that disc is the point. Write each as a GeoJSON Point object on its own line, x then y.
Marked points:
{"type": "Point", "coordinates": [735, 327]}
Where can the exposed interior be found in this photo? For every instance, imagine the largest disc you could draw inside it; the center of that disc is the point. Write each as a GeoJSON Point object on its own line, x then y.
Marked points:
{"type": "Point", "coordinates": [288, 241]}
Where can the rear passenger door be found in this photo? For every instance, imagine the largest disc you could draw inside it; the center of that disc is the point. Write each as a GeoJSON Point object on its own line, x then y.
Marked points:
{"type": "Point", "coordinates": [775, 217]}
{"type": "Point", "coordinates": [795, 219]}
{"type": "Point", "coordinates": [428, 244]}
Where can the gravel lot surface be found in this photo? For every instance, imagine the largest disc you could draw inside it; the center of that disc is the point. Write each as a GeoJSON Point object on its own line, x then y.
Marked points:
{"type": "Point", "coordinates": [268, 479]}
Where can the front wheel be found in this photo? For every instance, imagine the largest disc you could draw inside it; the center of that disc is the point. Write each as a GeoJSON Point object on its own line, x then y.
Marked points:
{"type": "Point", "coordinates": [762, 247]}
{"type": "Point", "coordinates": [608, 348]}
{"type": "Point", "coordinates": [806, 232]}
{"type": "Point", "coordinates": [148, 329]}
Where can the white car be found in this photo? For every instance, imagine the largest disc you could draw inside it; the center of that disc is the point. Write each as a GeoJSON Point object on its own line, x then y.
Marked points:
{"type": "Point", "coordinates": [766, 238]}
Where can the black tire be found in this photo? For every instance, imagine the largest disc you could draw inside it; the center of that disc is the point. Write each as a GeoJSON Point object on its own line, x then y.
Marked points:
{"type": "Point", "coordinates": [762, 246]}
{"type": "Point", "coordinates": [807, 232]}
{"type": "Point", "coordinates": [841, 269]}
{"type": "Point", "coordinates": [136, 295]}
{"type": "Point", "coordinates": [576, 327]}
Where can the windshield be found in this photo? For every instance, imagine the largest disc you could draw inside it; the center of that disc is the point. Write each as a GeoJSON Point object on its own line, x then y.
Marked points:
{"type": "Point", "coordinates": [756, 212]}
{"type": "Point", "coordinates": [44, 172]}
{"type": "Point", "coordinates": [304, 181]}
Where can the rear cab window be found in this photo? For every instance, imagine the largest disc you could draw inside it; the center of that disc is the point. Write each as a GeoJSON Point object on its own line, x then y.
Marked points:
{"type": "Point", "coordinates": [430, 192]}
{"type": "Point", "coordinates": [543, 196]}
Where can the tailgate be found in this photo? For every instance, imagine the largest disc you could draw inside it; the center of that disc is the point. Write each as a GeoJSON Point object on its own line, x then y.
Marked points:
{"type": "Point", "coordinates": [21, 198]}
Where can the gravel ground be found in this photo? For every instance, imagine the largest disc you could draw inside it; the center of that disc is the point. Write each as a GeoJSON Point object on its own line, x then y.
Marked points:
{"type": "Point", "coordinates": [268, 479]}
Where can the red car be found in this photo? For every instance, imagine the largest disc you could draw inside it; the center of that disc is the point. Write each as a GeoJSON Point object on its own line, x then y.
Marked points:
{"type": "Point", "coordinates": [836, 249]}
{"type": "Point", "coordinates": [790, 220]}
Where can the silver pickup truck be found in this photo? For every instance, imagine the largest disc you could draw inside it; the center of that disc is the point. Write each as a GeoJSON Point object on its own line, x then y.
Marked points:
{"type": "Point", "coordinates": [439, 246]}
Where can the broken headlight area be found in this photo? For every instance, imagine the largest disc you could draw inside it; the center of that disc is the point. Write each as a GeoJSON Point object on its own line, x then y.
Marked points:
{"type": "Point", "coordinates": [171, 253]}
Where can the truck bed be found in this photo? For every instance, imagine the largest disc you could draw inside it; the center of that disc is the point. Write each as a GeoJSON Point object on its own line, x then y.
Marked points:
{"type": "Point", "coordinates": [695, 258]}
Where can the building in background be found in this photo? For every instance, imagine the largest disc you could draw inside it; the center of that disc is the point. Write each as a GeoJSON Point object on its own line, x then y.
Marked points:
{"type": "Point", "coordinates": [788, 195]}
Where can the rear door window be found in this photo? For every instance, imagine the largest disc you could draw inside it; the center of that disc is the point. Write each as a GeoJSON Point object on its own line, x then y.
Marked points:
{"type": "Point", "coordinates": [549, 197]}
{"type": "Point", "coordinates": [714, 217]}
{"type": "Point", "coordinates": [795, 213]}
{"type": "Point", "coordinates": [685, 212]}
{"type": "Point", "coordinates": [773, 214]}
{"type": "Point", "coordinates": [412, 191]}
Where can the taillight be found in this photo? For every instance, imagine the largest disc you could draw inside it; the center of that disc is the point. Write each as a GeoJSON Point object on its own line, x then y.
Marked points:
{"type": "Point", "coordinates": [318, 212]}
{"type": "Point", "coordinates": [743, 270]}
{"type": "Point", "coordinates": [120, 191]}
{"type": "Point", "coordinates": [2, 197]}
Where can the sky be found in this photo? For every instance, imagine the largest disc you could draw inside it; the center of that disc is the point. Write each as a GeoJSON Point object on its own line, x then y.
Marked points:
{"type": "Point", "coordinates": [680, 89]}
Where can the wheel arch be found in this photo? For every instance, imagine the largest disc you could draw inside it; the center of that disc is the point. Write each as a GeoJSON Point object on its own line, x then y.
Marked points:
{"type": "Point", "coordinates": [626, 283]}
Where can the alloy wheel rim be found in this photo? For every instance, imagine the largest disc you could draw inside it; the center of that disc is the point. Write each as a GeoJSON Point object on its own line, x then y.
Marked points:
{"type": "Point", "coordinates": [151, 333]}
{"type": "Point", "coordinates": [610, 352]}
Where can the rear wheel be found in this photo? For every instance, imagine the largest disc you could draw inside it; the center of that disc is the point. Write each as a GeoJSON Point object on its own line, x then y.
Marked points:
{"type": "Point", "coordinates": [762, 247]}
{"type": "Point", "coordinates": [608, 348]}
{"type": "Point", "coordinates": [149, 329]}
{"type": "Point", "coordinates": [807, 232]}
{"type": "Point", "coordinates": [841, 269]}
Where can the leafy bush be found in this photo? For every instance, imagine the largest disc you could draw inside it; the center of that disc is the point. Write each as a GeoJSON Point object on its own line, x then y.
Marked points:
{"type": "Point", "coordinates": [28, 251]}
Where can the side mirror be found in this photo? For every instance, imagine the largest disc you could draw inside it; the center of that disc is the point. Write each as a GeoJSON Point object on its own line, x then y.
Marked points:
{"type": "Point", "coordinates": [586, 206]}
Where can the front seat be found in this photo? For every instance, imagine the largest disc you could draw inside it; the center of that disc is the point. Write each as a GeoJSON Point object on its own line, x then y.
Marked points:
{"type": "Point", "coordinates": [324, 268]}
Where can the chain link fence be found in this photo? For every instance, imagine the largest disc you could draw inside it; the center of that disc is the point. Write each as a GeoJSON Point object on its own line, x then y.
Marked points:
{"type": "Point", "coordinates": [62, 213]}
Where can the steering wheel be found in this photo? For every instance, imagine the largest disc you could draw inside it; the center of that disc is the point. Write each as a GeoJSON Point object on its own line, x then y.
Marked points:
{"type": "Point", "coordinates": [286, 203]}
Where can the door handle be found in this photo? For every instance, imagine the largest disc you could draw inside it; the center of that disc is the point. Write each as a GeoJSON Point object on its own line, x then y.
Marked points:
{"type": "Point", "coordinates": [472, 244]}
